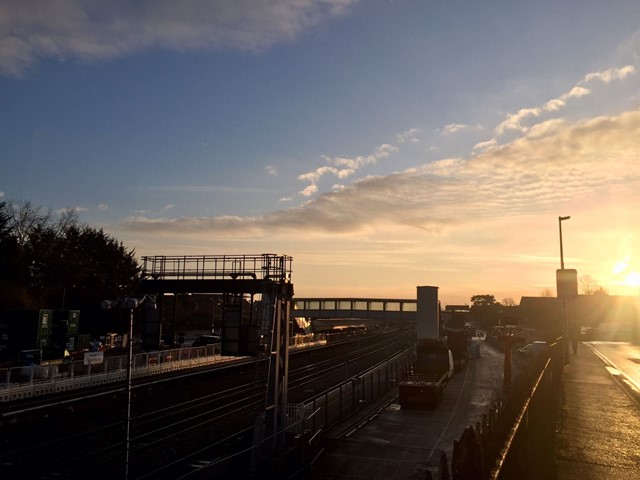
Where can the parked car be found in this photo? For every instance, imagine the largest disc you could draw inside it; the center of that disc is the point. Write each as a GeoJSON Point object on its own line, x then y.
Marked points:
{"type": "Point", "coordinates": [206, 340]}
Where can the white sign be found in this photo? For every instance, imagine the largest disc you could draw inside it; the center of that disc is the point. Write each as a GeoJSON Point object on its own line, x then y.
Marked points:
{"type": "Point", "coordinates": [93, 358]}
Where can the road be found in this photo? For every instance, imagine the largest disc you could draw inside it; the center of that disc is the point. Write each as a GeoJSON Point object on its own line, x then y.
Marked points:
{"type": "Point", "coordinates": [622, 360]}
{"type": "Point", "coordinates": [404, 444]}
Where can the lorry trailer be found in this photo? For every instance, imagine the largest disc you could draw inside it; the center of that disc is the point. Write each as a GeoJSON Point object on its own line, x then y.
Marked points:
{"type": "Point", "coordinates": [425, 382]}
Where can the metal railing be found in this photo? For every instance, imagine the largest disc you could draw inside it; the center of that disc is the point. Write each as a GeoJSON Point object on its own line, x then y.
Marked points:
{"type": "Point", "coordinates": [515, 438]}
{"type": "Point", "coordinates": [200, 267]}
{"type": "Point", "coordinates": [307, 422]}
{"type": "Point", "coordinates": [30, 381]}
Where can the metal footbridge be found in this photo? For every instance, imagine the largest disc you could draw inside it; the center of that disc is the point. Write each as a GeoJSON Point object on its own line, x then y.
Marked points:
{"type": "Point", "coordinates": [370, 309]}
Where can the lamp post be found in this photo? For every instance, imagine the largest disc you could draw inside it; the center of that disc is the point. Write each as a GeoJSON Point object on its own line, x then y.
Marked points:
{"type": "Point", "coordinates": [127, 304]}
{"type": "Point", "coordinates": [560, 219]}
{"type": "Point", "coordinates": [565, 326]}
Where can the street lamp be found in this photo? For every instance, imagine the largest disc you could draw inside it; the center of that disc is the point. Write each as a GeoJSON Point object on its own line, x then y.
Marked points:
{"type": "Point", "coordinates": [130, 304]}
{"type": "Point", "coordinates": [560, 219]}
{"type": "Point", "coordinates": [565, 322]}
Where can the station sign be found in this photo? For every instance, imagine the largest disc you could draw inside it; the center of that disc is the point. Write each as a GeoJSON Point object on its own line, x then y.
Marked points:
{"type": "Point", "coordinates": [93, 358]}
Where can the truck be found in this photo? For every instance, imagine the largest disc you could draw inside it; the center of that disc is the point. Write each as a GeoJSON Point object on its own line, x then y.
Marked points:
{"type": "Point", "coordinates": [426, 379]}
{"type": "Point", "coordinates": [458, 341]}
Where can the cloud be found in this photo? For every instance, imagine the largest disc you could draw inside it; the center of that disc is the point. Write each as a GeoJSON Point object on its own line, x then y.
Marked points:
{"type": "Point", "coordinates": [452, 128]}
{"type": "Point", "coordinates": [343, 167]}
{"type": "Point", "coordinates": [76, 29]}
{"type": "Point", "coordinates": [516, 121]}
{"type": "Point", "coordinates": [485, 145]}
{"type": "Point", "coordinates": [199, 189]}
{"type": "Point", "coordinates": [271, 170]}
{"type": "Point", "coordinates": [74, 209]}
{"type": "Point", "coordinates": [103, 207]}
{"type": "Point", "coordinates": [1, 194]}
{"type": "Point", "coordinates": [607, 76]}
{"type": "Point", "coordinates": [556, 162]}
{"type": "Point", "coordinates": [410, 136]}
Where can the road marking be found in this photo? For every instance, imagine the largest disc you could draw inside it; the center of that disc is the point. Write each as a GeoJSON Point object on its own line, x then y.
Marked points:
{"type": "Point", "coordinates": [455, 408]}
{"type": "Point", "coordinates": [612, 370]}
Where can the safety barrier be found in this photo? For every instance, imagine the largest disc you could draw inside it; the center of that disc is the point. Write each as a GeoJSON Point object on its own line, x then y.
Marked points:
{"type": "Point", "coordinates": [31, 381]}
{"type": "Point", "coordinates": [515, 438]}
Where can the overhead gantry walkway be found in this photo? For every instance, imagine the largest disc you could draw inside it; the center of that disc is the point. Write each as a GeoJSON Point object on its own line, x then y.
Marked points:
{"type": "Point", "coordinates": [261, 282]}
{"type": "Point", "coordinates": [376, 309]}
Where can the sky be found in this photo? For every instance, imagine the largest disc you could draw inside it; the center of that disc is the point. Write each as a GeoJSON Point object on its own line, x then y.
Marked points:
{"type": "Point", "coordinates": [383, 144]}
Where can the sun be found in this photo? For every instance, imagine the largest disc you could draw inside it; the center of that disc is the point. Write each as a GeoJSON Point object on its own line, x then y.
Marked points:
{"type": "Point", "coordinates": [626, 274]}
{"type": "Point", "coordinates": [632, 279]}
{"type": "Point", "coordinates": [620, 267]}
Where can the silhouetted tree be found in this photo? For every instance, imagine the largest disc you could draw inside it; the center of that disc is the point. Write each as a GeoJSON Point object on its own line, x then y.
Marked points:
{"type": "Point", "coordinates": [51, 261]}
{"type": "Point", "coordinates": [485, 310]}
{"type": "Point", "coordinates": [483, 300]}
{"type": "Point", "coordinates": [589, 286]}
{"type": "Point", "coordinates": [600, 291]}
{"type": "Point", "coordinates": [509, 302]}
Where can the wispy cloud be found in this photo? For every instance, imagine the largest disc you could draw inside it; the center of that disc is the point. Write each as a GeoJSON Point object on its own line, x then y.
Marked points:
{"type": "Point", "coordinates": [411, 136]}
{"type": "Point", "coordinates": [74, 209]}
{"type": "Point", "coordinates": [343, 167]}
{"type": "Point", "coordinates": [452, 128]}
{"type": "Point", "coordinates": [271, 170]}
{"type": "Point", "coordinates": [75, 29]}
{"type": "Point", "coordinates": [607, 76]}
{"type": "Point", "coordinates": [520, 178]}
{"type": "Point", "coordinates": [198, 189]}
{"type": "Point", "coordinates": [103, 207]}
{"type": "Point", "coordinates": [516, 121]}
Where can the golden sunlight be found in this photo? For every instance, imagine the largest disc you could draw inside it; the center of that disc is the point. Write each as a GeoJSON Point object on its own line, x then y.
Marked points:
{"type": "Point", "coordinates": [632, 279]}
{"type": "Point", "coordinates": [621, 266]}
{"type": "Point", "coordinates": [627, 274]}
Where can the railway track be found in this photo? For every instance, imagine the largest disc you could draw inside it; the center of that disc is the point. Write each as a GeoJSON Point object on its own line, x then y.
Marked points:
{"type": "Point", "coordinates": [180, 424]}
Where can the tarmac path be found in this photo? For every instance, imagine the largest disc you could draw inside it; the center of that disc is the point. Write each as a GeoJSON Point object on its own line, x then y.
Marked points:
{"type": "Point", "coordinates": [404, 444]}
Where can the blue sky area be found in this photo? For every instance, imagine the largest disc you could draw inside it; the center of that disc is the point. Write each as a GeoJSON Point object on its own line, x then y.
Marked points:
{"type": "Point", "coordinates": [383, 144]}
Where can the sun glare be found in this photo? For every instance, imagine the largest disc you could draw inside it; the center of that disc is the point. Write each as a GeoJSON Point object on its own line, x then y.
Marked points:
{"type": "Point", "coordinates": [632, 279]}
{"type": "Point", "coordinates": [620, 266]}
{"type": "Point", "coordinates": [626, 273]}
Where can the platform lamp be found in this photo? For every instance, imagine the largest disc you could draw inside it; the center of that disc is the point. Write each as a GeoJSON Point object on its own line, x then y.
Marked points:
{"type": "Point", "coordinates": [129, 303]}
{"type": "Point", "coordinates": [560, 219]}
{"type": "Point", "coordinates": [561, 274]}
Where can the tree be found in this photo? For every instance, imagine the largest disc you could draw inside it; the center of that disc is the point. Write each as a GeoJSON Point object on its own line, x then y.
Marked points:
{"type": "Point", "coordinates": [54, 262]}
{"type": "Point", "coordinates": [509, 302]}
{"type": "Point", "coordinates": [589, 286]}
{"type": "Point", "coordinates": [483, 300]}
{"type": "Point", "coordinates": [547, 293]}
{"type": "Point", "coordinates": [485, 310]}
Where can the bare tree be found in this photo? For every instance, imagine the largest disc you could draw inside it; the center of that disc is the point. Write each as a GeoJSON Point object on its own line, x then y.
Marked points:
{"type": "Point", "coordinates": [600, 291]}
{"type": "Point", "coordinates": [509, 302]}
{"type": "Point", "coordinates": [547, 293]}
{"type": "Point", "coordinates": [588, 285]}
{"type": "Point", "coordinates": [24, 219]}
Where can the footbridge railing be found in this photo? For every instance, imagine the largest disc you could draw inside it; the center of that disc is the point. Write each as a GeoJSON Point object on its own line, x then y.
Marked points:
{"type": "Point", "coordinates": [362, 308]}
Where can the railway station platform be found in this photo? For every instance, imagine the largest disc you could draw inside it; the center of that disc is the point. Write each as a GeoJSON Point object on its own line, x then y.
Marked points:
{"type": "Point", "coordinates": [598, 426]}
